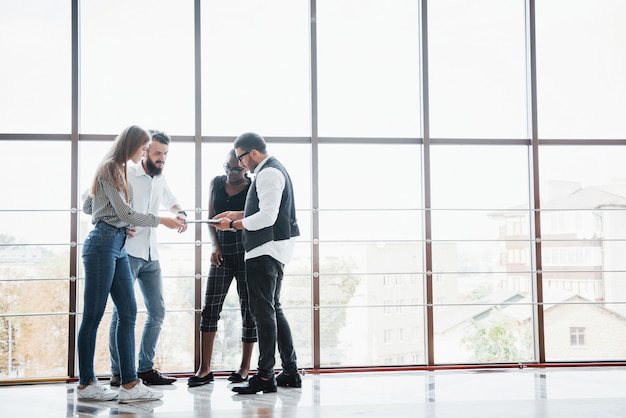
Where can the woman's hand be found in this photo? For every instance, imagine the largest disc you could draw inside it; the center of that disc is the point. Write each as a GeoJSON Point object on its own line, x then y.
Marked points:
{"type": "Point", "coordinates": [172, 223]}
{"type": "Point", "coordinates": [216, 256]}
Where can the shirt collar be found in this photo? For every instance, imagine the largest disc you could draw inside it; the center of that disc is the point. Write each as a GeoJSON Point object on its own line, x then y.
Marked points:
{"type": "Point", "coordinates": [261, 164]}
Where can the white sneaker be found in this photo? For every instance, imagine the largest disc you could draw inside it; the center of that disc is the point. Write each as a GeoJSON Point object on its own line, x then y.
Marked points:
{"type": "Point", "coordinates": [138, 393]}
{"type": "Point", "coordinates": [95, 392]}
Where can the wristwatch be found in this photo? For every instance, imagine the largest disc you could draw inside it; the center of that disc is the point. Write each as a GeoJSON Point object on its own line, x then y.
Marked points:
{"type": "Point", "coordinates": [232, 227]}
{"type": "Point", "coordinates": [182, 212]}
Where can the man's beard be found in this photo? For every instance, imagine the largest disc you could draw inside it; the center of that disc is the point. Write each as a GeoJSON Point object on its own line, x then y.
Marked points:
{"type": "Point", "coordinates": [152, 169]}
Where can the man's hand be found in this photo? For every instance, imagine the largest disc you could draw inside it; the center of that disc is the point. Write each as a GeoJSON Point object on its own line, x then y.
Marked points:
{"type": "Point", "coordinates": [234, 215]}
{"type": "Point", "coordinates": [224, 224]}
{"type": "Point", "coordinates": [182, 219]}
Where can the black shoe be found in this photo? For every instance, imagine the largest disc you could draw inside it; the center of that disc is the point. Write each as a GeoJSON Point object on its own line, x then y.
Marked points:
{"type": "Point", "coordinates": [199, 381]}
{"type": "Point", "coordinates": [256, 384]}
{"type": "Point", "coordinates": [236, 378]}
{"type": "Point", "coordinates": [116, 380]}
{"type": "Point", "coordinates": [289, 380]}
{"type": "Point", "coordinates": [154, 377]}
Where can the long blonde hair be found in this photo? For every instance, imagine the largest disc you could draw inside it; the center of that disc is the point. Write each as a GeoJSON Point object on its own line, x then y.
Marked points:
{"type": "Point", "coordinates": [113, 166]}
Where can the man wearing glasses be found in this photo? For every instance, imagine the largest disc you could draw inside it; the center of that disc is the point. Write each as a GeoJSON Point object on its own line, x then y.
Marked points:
{"type": "Point", "coordinates": [226, 193]}
{"type": "Point", "coordinates": [269, 229]}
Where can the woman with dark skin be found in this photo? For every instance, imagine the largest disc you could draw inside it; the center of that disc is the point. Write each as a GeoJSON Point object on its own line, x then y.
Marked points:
{"type": "Point", "coordinates": [226, 192]}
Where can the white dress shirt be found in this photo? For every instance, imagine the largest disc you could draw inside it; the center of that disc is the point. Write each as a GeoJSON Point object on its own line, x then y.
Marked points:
{"type": "Point", "coordinates": [150, 194]}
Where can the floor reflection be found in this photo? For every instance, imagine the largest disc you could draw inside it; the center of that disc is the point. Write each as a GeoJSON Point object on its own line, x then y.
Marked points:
{"type": "Point", "coordinates": [549, 393]}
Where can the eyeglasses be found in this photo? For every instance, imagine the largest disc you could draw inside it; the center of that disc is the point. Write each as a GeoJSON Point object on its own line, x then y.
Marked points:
{"type": "Point", "coordinates": [234, 170]}
{"type": "Point", "coordinates": [239, 157]}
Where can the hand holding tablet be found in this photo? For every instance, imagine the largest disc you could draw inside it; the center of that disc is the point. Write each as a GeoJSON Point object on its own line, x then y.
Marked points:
{"type": "Point", "coordinates": [204, 221]}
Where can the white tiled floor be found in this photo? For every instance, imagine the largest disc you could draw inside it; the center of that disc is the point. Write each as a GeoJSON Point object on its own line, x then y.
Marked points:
{"type": "Point", "coordinates": [530, 392]}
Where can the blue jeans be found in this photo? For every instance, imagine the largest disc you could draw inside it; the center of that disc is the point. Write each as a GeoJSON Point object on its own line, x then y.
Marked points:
{"type": "Point", "coordinates": [264, 277]}
{"type": "Point", "coordinates": [148, 274]}
{"type": "Point", "coordinates": [107, 272]}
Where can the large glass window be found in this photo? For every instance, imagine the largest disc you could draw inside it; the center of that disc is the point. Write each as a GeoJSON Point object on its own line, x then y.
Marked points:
{"type": "Point", "coordinates": [371, 254]}
{"type": "Point", "coordinates": [368, 68]}
{"type": "Point", "coordinates": [255, 67]}
{"type": "Point", "coordinates": [137, 65]}
{"type": "Point", "coordinates": [481, 253]}
{"type": "Point", "coordinates": [581, 61]}
{"type": "Point", "coordinates": [397, 233]}
{"type": "Point", "coordinates": [34, 258]}
{"type": "Point", "coordinates": [477, 69]}
{"type": "Point", "coordinates": [35, 75]}
{"type": "Point", "coordinates": [583, 222]}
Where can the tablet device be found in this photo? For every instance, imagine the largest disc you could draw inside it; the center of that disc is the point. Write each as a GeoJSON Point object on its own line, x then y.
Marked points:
{"type": "Point", "coordinates": [203, 221]}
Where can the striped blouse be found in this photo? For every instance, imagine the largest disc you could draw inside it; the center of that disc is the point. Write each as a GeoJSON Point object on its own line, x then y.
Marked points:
{"type": "Point", "coordinates": [109, 205]}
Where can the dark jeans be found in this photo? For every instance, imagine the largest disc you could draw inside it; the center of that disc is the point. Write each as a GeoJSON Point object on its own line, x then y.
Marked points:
{"type": "Point", "coordinates": [264, 276]}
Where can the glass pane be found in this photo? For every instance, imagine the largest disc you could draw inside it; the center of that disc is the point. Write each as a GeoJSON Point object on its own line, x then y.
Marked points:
{"type": "Point", "coordinates": [583, 222]}
{"type": "Point", "coordinates": [580, 69]}
{"type": "Point", "coordinates": [480, 177]}
{"type": "Point", "coordinates": [581, 176]}
{"type": "Point", "coordinates": [498, 330]}
{"type": "Point", "coordinates": [368, 68]}
{"type": "Point", "coordinates": [174, 351]}
{"type": "Point", "coordinates": [480, 242]}
{"type": "Point", "coordinates": [46, 187]}
{"type": "Point", "coordinates": [477, 69]}
{"type": "Point", "coordinates": [372, 336]}
{"type": "Point", "coordinates": [255, 67]}
{"type": "Point", "coordinates": [36, 69]}
{"type": "Point", "coordinates": [142, 71]}
{"type": "Point", "coordinates": [370, 258]}
{"type": "Point", "coordinates": [33, 261]}
{"type": "Point", "coordinates": [363, 225]}
{"type": "Point", "coordinates": [583, 331]}
{"type": "Point", "coordinates": [380, 177]}
{"type": "Point", "coordinates": [480, 224]}
{"type": "Point", "coordinates": [52, 227]}
{"type": "Point", "coordinates": [30, 356]}
{"type": "Point", "coordinates": [571, 284]}
{"type": "Point", "coordinates": [16, 296]}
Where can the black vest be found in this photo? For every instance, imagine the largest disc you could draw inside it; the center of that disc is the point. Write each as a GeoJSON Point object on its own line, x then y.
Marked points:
{"type": "Point", "coordinates": [286, 225]}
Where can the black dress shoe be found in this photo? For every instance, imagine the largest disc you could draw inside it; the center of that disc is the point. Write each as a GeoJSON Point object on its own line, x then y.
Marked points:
{"type": "Point", "coordinates": [199, 381]}
{"type": "Point", "coordinates": [289, 380]}
{"type": "Point", "coordinates": [236, 378]}
{"type": "Point", "coordinates": [256, 384]}
{"type": "Point", "coordinates": [154, 377]}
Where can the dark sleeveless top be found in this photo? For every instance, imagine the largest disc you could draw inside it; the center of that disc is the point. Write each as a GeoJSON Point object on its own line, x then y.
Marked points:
{"type": "Point", "coordinates": [230, 242]}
